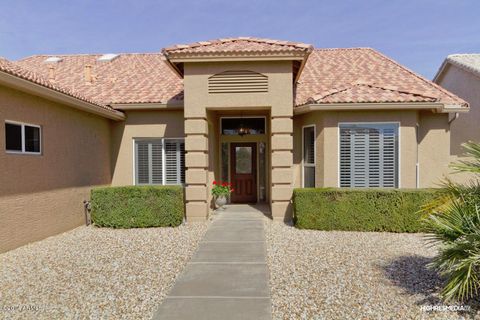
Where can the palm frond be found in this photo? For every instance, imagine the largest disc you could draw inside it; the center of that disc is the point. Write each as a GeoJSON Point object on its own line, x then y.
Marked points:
{"type": "Point", "coordinates": [473, 165]}
{"type": "Point", "coordinates": [453, 223]}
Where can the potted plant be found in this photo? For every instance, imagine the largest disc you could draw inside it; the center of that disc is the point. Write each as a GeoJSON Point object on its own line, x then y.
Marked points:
{"type": "Point", "coordinates": [220, 191]}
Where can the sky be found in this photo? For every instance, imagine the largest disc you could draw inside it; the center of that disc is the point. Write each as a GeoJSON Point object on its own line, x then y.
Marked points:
{"type": "Point", "coordinates": [418, 34]}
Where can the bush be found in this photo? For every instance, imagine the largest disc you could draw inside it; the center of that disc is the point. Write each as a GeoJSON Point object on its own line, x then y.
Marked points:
{"type": "Point", "coordinates": [137, 206]}
{"type": "Point", "coordinates": [360, 210]}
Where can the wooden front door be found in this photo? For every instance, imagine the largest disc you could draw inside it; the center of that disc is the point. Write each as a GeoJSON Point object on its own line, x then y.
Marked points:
{"type": "Point", "coordinates": [243, 172]}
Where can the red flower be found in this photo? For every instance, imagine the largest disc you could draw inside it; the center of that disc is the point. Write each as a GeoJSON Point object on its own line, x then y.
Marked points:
{"type": "Point", "coordinates": [224, 184]}
{"type": "Point", "coordinates": [214, 182]}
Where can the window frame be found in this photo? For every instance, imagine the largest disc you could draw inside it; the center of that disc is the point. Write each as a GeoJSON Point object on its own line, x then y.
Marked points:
{"type": "Point", "coordinates": [134, 160]}
{"type": "Point", "coordinates": [310, 165]}
{"type": "Point", "coordinates": [22, 125]}
{"type": "Point", "coordinates": [239, 118]}
{"type": "Point", "coordinates": [399, 141]}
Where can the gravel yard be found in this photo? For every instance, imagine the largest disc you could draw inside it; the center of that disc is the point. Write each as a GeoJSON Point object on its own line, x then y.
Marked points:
{"type": "Point", "coordinates": [351, 275]}
{"type": "Point", "coordinates": [95, 273]}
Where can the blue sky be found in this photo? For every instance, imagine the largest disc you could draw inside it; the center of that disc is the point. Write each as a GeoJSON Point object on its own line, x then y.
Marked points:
{"type": "Point", "coordinates": [418, 34]}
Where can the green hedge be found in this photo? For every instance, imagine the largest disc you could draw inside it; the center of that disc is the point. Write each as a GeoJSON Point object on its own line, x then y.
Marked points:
{"type": "Point", "coordinates": [360, 210]}
{"type": "Point", "coordinates": [137, 206]}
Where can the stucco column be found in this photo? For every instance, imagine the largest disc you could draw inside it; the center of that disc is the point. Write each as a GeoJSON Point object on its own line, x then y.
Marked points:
{"type": "Point", "coordinates": [196, 165]}
{"type": "Point", "coordinates": [282, 165]}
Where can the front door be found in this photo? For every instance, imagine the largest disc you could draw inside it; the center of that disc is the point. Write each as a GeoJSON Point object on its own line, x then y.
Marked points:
{"type": "Point", "coordinates": [243, 172]}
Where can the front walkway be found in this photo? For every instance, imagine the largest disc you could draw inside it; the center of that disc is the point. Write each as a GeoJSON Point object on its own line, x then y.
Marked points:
{"type": "Point", "coordinates": [227, 278]}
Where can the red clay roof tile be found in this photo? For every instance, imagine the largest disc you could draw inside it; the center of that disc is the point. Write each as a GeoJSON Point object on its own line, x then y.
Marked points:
{"type": "Point", "coordinates": [353, 75]}
{"type": "Point", "coordinates": [359, 75]}
{"type": "Point", "coordinates": [27, 74]}
{"type": "Point", "coordinates": [240, 44]}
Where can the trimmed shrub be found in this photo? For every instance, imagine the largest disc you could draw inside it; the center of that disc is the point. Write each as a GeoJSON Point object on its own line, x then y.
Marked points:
{"type": "Point", "coordinates": [390, 210]}
{"type": "Point", "coordinates": [137, 206]}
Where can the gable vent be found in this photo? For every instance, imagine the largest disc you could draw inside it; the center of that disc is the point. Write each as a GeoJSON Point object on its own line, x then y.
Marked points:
{"type": "Point", "coordinates": [238, 81]}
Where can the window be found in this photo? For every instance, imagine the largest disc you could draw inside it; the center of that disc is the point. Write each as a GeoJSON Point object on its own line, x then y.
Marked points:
{"type": "Point", "coordinates": [369, 155]}
{"type": "Point", "coordinates": [160, 161]}
{"type": "Point", "coordinates": [309, 157]}
{"type": "Point", "coordinates": [22, 138]}
{"type": "Point", "coordinates": [232, 126]}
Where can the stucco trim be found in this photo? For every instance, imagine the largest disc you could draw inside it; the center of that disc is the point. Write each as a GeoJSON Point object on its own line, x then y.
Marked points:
{"type": "Point", "coordinates": [53, 95]}
{"type": "Point", "coordinates": [436, 107]}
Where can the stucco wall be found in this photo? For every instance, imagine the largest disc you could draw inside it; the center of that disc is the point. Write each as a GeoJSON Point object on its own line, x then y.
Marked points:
{"type": "Point", "coordinates": [467, 126]}
{"type": "Point", "coordinates": [41, 195]}
{"type": "Point", "coordinates": [199, 102]}
{"type": "Point", "coordinates": [140, 124]}
{"type": "Point", "coordinates": [433, 146]}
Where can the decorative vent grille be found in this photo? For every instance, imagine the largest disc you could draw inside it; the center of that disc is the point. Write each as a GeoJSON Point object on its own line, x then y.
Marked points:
{"type": "Point", "coordinates": [238, 81]}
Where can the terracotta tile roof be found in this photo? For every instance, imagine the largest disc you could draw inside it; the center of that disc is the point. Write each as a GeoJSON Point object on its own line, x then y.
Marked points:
{"type": "Point", "coordinates": [29, 75]}
{"type": "Point", "coordinates": [354, 75]}
{"type": "Point", "coordinates": [240, 44]}
{"type": "Point", "coordinates": [129, 78]}
{"type": "Point", "coordinates": [360, 75]}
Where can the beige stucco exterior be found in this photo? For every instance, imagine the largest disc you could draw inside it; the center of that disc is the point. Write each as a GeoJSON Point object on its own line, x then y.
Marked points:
{"type": "Point", "coordinates": [467, 86]}
{"type": "Point", "coordinates": [140, 124]}
{"type": "Point", "coordinates": [199, 109]}
{"type": "Point", "coordinates": [41, 195]}
{"type": "Point", "coordinates": [432, 149]}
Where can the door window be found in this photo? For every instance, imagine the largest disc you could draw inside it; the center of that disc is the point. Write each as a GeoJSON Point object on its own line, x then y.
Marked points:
{"type": "Point", "coordinates": [243, 157]}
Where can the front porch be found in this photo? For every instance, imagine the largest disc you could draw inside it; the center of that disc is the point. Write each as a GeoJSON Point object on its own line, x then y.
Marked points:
{"type": "Point", "coordinates": [251, 150]}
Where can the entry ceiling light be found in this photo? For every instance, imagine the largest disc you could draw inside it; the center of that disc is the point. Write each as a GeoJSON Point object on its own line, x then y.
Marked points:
{"type": "Point", "coordinates": [242, 130]}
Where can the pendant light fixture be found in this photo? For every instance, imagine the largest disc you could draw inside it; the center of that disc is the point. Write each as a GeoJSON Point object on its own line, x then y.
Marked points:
{"type": "Point", "coordinates": [242, 130]}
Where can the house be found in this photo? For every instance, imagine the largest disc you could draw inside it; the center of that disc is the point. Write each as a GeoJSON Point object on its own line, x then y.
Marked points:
{"type": "Point", "coordinates": [266, 115]}
{"type": "Point", "coordinates": [460, 74]}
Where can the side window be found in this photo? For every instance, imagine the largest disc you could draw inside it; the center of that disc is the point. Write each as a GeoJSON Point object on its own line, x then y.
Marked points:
{"type": "Point", "coordinates": [159, 161]}
{"type": "Point", "coordinates": [22, 138]}
{"type": "Point", "coordinates": [309, 157]}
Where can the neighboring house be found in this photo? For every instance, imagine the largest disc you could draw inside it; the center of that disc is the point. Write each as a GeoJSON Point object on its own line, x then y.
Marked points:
{"type": "Point", "coordinates": [263, 114]}
{"type": "Point", "coordinates": [460, 74]}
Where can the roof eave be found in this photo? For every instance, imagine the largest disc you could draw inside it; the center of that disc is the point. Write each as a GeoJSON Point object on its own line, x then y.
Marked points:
{"type": "Point", "coordinates": [57, 96]}
{"type": "Point", "coordinates": [173, 66]}
{"type": "Point", "coordinates": [174, 60]}
{"type": "Point", "coordinates": [148, 106]}
{"type": "Point", "coordinates": [440, 71]}
{"type": "Point", "coordinates": [435, 106]}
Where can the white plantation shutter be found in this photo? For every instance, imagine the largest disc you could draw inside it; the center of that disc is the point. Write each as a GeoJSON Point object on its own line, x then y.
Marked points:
{"type": "Point", "coordinates": [142, 162]}
{"type": "Point", "coordinates": [160, 161]}
{"type": "Point", "coordinates": [157, 163]}
{"type": "Point", "coordinates": [369, 155]}
{"type": "Point", "coordinates": [172, 162]}
{"type": "Point", "coordinates": [390, 146]}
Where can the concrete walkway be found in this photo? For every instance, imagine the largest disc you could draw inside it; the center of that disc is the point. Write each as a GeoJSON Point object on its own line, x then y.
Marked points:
{"type": "Point", "coordinates": [227, 278]}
